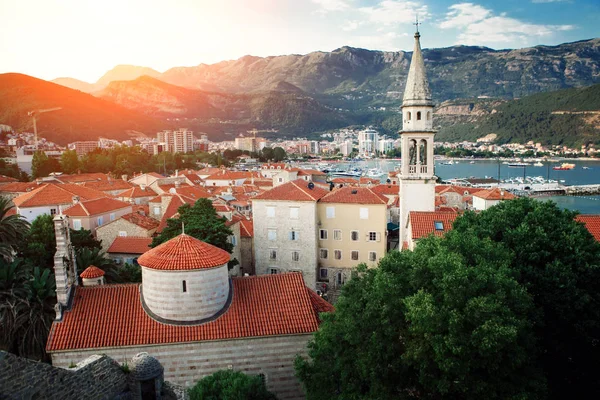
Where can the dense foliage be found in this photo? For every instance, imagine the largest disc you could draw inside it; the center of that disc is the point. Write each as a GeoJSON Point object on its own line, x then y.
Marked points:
{"type": "Point", "coordinates": [505, 306]}
{"type": "Point", "coordinates": [231, 385]}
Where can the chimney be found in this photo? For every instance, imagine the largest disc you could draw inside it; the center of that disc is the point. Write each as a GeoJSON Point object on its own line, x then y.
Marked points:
{"type": "Point", "coordinates": [176, 173]}
{"type": "Point", "coordinates": [143, 186]}
{"type": "Point", "coordinates": [124, 177]}
{"type": "Point", "coordinates": [75, 199]}
{"type": "Point", "coordinates": [65, 265]}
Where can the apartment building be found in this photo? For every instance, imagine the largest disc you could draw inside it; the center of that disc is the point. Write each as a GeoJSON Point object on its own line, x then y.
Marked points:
{"type": "Point", "coordinates": [178, 141]}
{"type": "Point", "coordinates": [352, 226]}
{"type": "Point", "coordinates": [285, 230]}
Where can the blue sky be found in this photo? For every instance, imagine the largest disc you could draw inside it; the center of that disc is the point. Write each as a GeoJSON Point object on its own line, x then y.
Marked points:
{"type": "Point", "coordinates": [85, 38]}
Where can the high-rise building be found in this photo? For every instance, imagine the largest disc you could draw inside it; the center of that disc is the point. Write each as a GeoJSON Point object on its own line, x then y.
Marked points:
{"type": "Point", "coordinates": [84, 147]}
{"type": "Point", "coordinates": [245, 143]}
{"type": "Point", "coordinates": [417, 182]}
{"type": "Point", "coordinates": [367, 142]}
{"type": "Point", "coordinates": [179, 141]}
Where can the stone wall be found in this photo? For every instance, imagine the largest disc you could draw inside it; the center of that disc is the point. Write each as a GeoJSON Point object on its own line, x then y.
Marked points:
{"type": "Point", "coordinates": [247, 256]}
{"type": "Point", "coordinates": [107, 233]}
{"type": "Point", "coordinates": [97, 377]}
{"type": "Point", "coordinates": [187, 363]}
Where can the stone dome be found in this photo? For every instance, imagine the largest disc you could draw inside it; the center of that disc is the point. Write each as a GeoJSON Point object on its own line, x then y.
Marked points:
{"type": "Point", "coordinates": [144, 366]}
{"type": "Point", "coordinates": [184, 253]}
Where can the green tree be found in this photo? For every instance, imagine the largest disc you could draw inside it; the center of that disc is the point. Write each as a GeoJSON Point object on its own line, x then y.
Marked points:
{"type": "Point", "coordinates": [69, 162]}
{"type": "Point", "coordinates": [83, 238]}
{"type": "Point", "coordinates": [278, 154]}
{"type": "Point", "coordinates": [39, 245]}
{"type": "Point", "coordinates": [42, 165]}
{"type": "Point", "coordinates": [202, 222]}
{"type": "Point", "coordinates": [94, 256]}
{"type": "Point", "coordinates": [12, 229]}
{"type": "Point", "coordinates": [231, 385]}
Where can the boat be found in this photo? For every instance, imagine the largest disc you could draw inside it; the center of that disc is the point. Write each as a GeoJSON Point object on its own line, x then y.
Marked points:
{"type": "Point", "coordinates": [518, 165]}
{"type": "Point", "coordinates": [375, 173]}
{"type": "Point", "coordinates": [538, 164]}
{"type": "Point", "coordinates": [564, 167]}
{"type": "Point", "coordinates": [472, 162]}
{"type": "Point", "coordinates": [585, 167]}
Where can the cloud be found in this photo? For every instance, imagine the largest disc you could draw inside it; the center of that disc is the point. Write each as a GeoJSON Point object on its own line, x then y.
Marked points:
{"type": "Point", "coordinates": [331, 5]}
{"type": "Point", "coordinates": [389, 12]}
{"type": "Point", "coordinates": [386, 41]}
{"type": "Point", "coordinates": [351, 25]}
{"type": "Point", "coordinates": [479, 26]}
{"type": "Point", "coordinates": [549, 1]}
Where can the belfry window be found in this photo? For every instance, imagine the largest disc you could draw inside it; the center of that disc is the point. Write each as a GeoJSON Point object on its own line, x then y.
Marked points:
{"type": "Point", "coordinates": [428, 115]}
{"type": "Point", "coordinates": [184, 286]}
{"type": "Point", "coordinates": [408, 116]}
{"type": "Point", "coordinates": [418, 115]}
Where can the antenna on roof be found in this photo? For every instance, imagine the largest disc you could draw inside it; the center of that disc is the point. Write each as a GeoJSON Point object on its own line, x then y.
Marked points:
{"type": "Point", "coordinates": [417, 23]}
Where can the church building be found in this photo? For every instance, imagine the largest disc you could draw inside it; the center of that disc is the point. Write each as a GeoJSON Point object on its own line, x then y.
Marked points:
{"type": "Point", "coordinates": [417, 180]}
{"type": "Point", "coordinates": [188, 314]}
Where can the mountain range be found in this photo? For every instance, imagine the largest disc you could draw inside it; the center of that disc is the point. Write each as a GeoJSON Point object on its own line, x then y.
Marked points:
{"type": "Point", "coordinates": [301, 94]}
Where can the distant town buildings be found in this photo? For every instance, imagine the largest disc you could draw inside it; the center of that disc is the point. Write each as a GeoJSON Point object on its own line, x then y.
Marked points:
{"type": "Point", "coordinates": [368, 142]}
{"type": "Point", "coordinates": [177, 141]}
{"type": "Point", "coordinates": [84, 147]}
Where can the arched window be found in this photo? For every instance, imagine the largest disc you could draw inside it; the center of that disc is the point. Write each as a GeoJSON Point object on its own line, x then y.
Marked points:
{"type": "Point", "coordinates": [423, 151]}
{"type": "Point", "coordinates": [418, 115]}
{"type": "Point", "coordinates": [408, 116]}
{"type": "Point", "coordinates": [428, 115]}
{"type": "Point", "coordinates": [412, 154]}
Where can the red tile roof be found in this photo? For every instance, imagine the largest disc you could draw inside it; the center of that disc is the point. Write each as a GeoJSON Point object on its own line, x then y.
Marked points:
{"type": "Point", "coordinates": [592, 223]}
{"type": "Point", "coordinates": [184, 253]}
{"type": "Point", "coordinates": [247, 228]}
{"type": "Point", "coordinates": [18, 187]}
{"type": "Point", "coordinates": [79, 178]}
{"type": "Point", "coordinates": [311, 172]}
{"type": "Point", "coordinates": [494, 194]}
{"type": "Point", "coordinates": [53, 194]}
{"type": "Point", "coordinates": [365, 180]}
{"type": "Point", "coordinates": [389, 190]}
{"type": "Point", "coordinates": [423, 222]}
{"type": "Point", "coordinates": [95, 207]}
{"type": "Point", "coordinates": [7, 179]}
{"type": "Point", "coordinates": [229, 175]}
{"type": "Point", "coordinates": [112, 316]}
{"type": "Point", "coordinates": [137, 192]}
{"type": "Point", "coordinates": [130, 245]}
{"type": "Point", "coordinates": [344, 180]}
{"type": "Point", "coordinates": [108, 186]}
{"type": "Point", "coordinates": [91, 272]}
{"type": "Point", "coordinates": [319, 304]}
{"type": "Point", "coordinates": [354, 195]}
{"type": "Point", "coordinates": [143, 221]}
{"type": "Point", "coordinates": [195, 192]}
{"type": "Point", "coordinates": [293, 191]}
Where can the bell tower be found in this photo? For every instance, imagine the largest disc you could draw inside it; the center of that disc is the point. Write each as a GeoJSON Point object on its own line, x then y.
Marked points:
{"type": "Point", "coordinates": [417, 181]}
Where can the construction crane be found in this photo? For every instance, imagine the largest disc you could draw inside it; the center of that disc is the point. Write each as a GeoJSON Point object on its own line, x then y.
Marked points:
{"type": "Point", "coordinates": [33, 115]}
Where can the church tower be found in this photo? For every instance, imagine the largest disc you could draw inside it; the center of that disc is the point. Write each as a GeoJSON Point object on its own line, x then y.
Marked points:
{"type": "Point", "coordinates": [417, 182]}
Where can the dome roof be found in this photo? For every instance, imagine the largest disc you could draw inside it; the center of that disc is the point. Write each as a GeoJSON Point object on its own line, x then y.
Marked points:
{"type": "Point", "coordinates": [184, 253]}
{"type": "Point", "coordinates": [144, 366]}
{"type": "Point", "coordinates": [92, 272]}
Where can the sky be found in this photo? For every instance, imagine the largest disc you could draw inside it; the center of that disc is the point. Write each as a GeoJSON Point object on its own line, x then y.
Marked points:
{"type": "Point", "coordinates": [84, 39]}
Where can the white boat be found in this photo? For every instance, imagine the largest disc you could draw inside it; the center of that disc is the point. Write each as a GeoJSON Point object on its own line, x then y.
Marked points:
{"type": "Point", "coordinates": [538, 164]}
{"type": "Point", "coordinates": [375, 173]}
{"type": "Point", "coordinates": [518, 165]}
{"type": "Point", "coordinates": [472, 162]}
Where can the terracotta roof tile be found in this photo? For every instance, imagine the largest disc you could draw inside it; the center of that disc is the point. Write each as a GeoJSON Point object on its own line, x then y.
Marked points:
{"type": "Point", "coordinates": [423, 223]}
{"type": "Point", "coordinates": [143, 221]}
{"type": "Point", "coordinates": [247, 228]}
{"type": "Point", "coordinates": [354, 195]}
{"type": "Point", "coordinates": [344, 180]}
{"type": "Point", "coordinates": [108, 186]}
{"type": "Point", "coordinates": [7, 179]}
{"type": "Point", "coordinates": [52, 194]}
{"type": "Point", "coordinates": [293, 191]}
{"type": "Point", "coordinates": [130, 245]}
{"type": "Point", "coordinates": [18, 187]}
{"type": "Point", "coordinates": [494, 194]}
{"type": "Point", "coordinates": [388, 189]}
{"type": "Point", "coordinates": [137, 192]}
{"type": "Point", "coordinates": [363, 180]}
{"type": "Point", "coordinates": [184, 253]}
{"type": "Point", "coordinates": [91, 272]}
{"type": "Point", "coordinates": [95, 207]}
{"type": "Point", "coordinates": [592, 223]}
{"type": "Point", "coordinates": [229, 175]}
{"type": "Point", "coordinates": [112, 316]}
{"type": "Point", "coordinates": [79, 178]}
{"type": "Point", "coordinates": [319, 304]}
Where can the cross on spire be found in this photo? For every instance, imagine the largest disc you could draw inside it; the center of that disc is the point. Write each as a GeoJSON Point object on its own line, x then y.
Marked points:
{"type": "Point", "coordinates": [417, 23]}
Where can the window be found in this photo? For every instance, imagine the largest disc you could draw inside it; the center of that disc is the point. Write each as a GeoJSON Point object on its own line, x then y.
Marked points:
{"type": "Point", "coordinates": [372, 256]}
{"type": "Point", "coordinates": [373, 236]}
{"type": "Point", "coordinates": [354, 235]}
{"type": "Point", "coordinates": [233, 240]}
{"type": "Point", "coordinates": [156, 210]}
{"type": "Point", "coordinates": [279, 180]}
{"type": "Point", "coordinates": [99, 281]}
{"type": "Point", "coordinates": [323, 253]}
{"type": "Point", "coordinates": [418, 115]}
{"type": "Point", "coordinates": [409, 115]}
{"type": "Point", "coordinates": [272, 234]}
{"type": "Point", "coordinates": [76, 224]}
{"type": "Point", "coordinates": [272, 254]}
{"type": "Point", "coordinates": [340, 278]}
{"type": "Point", "coordinates": [294, 235]}
{"type": "Point", "coordinates": [428, 115]}
{"type": "Point", "coordinates": [354, 255]}
{"type": "Point", "coordinates": [295, 256]}
{"type": "Point", "coordinates": [337, 254]}
{"type": "Point", "coordinates": [337, 234]}
{"type": "Point", "coordinates": [323, 273]}
{"type": "Point", "coordinates": [364, 213]}
{"type": "Point", "coordinates": [330, 212]}
{"type": "Point", "coordinates": [294, 212]}
{"type": "Point", "coordinates": [184, 286]}
{"type": "Point", "coordinates": [123, 233]}
{"type": "Point", "coordinates": [53, 211]}
{"type": "Point", "coordinates": [323, 234]}
{"type": "Point", "coordinates": [273, 271]}
{"type": "Point", "coordinates": [100, 221]}
{"type": "Point", "coordinates": [439, 225]}
{"type": "Point", "coordinates": [270, 211]}
{"type": "Point", "coordinates": [112, 216]}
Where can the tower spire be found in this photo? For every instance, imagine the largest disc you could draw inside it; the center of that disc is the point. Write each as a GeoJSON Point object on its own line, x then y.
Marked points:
{"type": "Point", "coordinates": [417, 92]}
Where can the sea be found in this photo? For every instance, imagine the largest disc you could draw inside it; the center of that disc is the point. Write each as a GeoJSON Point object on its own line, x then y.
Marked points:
{"type": "Point", "coordinates": [498, 170]}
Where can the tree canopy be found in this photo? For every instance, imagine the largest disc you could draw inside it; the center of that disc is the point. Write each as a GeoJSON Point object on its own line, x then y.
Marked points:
{"type": "Point", "coordinates": [505, 306]}
{"type": "Point", "coordinates": [231, 385]}
{"type": "Point", "coordinates": [202, 222]}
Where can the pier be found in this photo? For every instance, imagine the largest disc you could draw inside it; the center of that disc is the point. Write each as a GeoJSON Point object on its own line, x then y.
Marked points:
{"type": "Point", "coordinates": [582, 190]}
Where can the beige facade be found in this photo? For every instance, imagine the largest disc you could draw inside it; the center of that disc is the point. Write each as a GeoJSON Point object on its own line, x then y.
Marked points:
{"type": "Point", "coordinates": [285, 238]}
{"type": "Point", "coordinates": [349, 234]}
{"type": "Point", "coordinates": [92, 222]}
{"type": "Point", "coordinates": [187, 363]}
{"type": "Point", "coordinates": [107, 233]}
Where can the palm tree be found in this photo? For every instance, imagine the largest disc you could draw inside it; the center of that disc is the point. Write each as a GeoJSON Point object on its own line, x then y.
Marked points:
{"type": "Point", "coordinates": [86, 256]}
{"type": "Point", "coordinates": [13, 228]}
